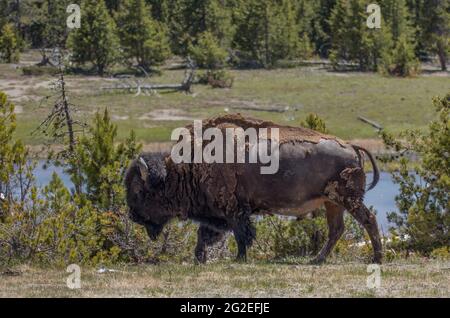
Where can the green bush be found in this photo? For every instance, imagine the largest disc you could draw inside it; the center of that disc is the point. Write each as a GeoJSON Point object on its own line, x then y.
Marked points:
{"type": "Point", "coordinates": [54, 226]}
{"type": "Point", "coordinates": [422, 223]}
{"type": "Point", "coordinates": [35, 70]}
{"type": "Point", "coordinates": [442, 253]}
{"type": "Point", "coordinates": [314, 122]}
{"type": "Point", "coordinates": [279, 238]}
{"type": "Point", "coordinates": [58, 228]}
{"type": "Point", "coordinates": [9, 47]}
{"type": "Point", "coordinates": [207, 53]}
{"type": "Point", "coordinates": [216, 79]}
{"type": "Point", "coordinates": [402, 61]}
{"type": "Point", "coordinates": [16, 172]}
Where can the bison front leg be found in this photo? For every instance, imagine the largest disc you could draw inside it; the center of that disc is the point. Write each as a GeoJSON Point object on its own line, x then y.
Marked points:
{"type": "Point", "coordinates": [335, 220]}
{"type": "Point", "coordinates": [205, 237]}
{"type": "Point", "coordinates": [244, 233]}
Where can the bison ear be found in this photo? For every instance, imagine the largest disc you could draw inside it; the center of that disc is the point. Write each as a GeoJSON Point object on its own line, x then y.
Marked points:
{"type": "Point", "coordinates": [143, 168]}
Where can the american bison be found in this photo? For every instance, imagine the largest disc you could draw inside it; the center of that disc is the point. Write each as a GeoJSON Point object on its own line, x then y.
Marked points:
{"type": "Point", "coordinates": [314, 170]}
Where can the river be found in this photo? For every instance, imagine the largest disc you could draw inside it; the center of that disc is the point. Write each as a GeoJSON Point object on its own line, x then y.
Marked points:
{"type": "Point", "coordinates": [382, 198]}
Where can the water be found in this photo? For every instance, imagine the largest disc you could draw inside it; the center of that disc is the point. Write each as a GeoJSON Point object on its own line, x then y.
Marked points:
{"type": "Point", "coordinates": [382, 198]}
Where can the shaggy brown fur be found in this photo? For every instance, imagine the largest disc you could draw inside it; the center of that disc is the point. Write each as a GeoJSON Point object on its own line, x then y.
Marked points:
{"type": "Point", "coordinates": [314, 169]}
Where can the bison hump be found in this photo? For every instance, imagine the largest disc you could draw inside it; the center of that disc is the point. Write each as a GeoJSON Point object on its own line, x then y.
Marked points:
{"type": "Point", "coordinates": [288, 134]}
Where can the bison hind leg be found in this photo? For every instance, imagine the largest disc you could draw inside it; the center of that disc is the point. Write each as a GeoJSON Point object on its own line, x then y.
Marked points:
{"type": "Point", "coordinates": [349, 192]}
{"type": "Point", "coordinates": [368, 220]}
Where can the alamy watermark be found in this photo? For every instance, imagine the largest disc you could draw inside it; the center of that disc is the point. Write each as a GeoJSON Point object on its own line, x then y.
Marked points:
{"type": "Point", "coordinates": [74, 19]}
{"type": "Point", "coordinates": [374, 279]}
{"type": "Point", "coordinates": [235, 146]}
{"type": "Point", "coordinates": [74, 279]}
{"type": "Point", "coordinates": [374, 19]}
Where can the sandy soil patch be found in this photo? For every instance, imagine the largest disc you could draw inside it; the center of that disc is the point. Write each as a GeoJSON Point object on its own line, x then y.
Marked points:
{"type": "Point", "coordinates": [166, 115]}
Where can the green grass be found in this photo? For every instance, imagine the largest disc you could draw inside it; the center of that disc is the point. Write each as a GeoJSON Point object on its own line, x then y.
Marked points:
{"type": "Point", "coordinates": [228, 279]}
{"type": "Point", "coordinates": [338, 98]}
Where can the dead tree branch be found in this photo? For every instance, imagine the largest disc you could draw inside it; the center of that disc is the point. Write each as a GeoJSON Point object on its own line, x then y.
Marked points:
{"type": "Point", "coordinates": [370, 122]}
{"type": "Point", "coordinates": [139, 86]}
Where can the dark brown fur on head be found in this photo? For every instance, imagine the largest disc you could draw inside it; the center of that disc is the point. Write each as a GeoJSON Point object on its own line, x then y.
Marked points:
{"type": "Point", "coordinates": [145, 183]}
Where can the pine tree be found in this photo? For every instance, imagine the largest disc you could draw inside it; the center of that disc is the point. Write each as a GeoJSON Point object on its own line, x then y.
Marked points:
{"type": "Point", "coordinates": [352, 40]}
{"type": "Point", "coordinates": [96, 41]}
{"type": "Point", "coordinates": [397, 17]}
{"type": "Point", "coordinates": [113, 5]}
{"type": "Point", "coordinates": [187, 19]}
{"type": "Point", "coordinates": [268, 31]}
{"type": "Point", "coordinates": [9, 50]}
{"type": "Point", "coordinates": [401, 59]}
{"type": "Point", "coordinates": [103, 162]}
{"type": "Point", "coordinates": [141, 37]}
{"type": "Point", "coordinates": [16, 171]}
{"type": "Point", "coordinates": [435, 28]}
{"type": "Point", "coordinates": [207, 52]}
{"type": "Point", "coordinates": [55, 30]}
{"type": "Point", "coordinates": [219, 23]}
{"type": "Point", "coordinates": [322, 32]}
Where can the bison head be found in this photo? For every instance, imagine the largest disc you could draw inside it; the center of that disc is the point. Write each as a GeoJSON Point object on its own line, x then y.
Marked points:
{"type": "Point", "coordinates": [145, 183]}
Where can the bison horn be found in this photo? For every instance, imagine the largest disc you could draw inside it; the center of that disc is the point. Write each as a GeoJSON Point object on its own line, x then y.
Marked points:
{"type": "Point", "coordinates": [143, 168]}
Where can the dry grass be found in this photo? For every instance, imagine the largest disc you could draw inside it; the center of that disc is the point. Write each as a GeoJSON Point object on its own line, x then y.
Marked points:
{"type": "Point", "coordinates": [226, 279]}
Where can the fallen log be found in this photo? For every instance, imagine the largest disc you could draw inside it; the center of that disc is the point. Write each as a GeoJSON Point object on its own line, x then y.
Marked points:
{"type": "Point", "coordinates": [185, 85]}
{"type": "Point", "coordinates": [265, 109]}
{"type": "Point", "coordinates": [370, 122]}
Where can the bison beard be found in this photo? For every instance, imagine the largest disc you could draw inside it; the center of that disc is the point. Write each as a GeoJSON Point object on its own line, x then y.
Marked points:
{"type": "Point", "coordinates": [314, 170]}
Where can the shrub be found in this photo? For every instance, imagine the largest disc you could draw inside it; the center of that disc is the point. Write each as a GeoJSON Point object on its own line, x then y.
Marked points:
{"type": "Point", "coordinates": [282, 238]}
{"type": "Point", "coordinates": [9, 47]}
{"type": "Point", "coordinates": [53, 226]}
{"type": "Point", "coordinates": [279, 238]}
{"type": "Point", "coordinates": [217, 79]}
{"type": "Point", "coordinates": [54, 229]}
{"type": "Point", "coordinates": [35, 70]}
{"type": "Point", "coordinates": [442, 253]}
{"type": "Point", "coordinates": [207, 53]}
{"type": "Point", "coordinates": [402, 61]}
{"type": "Point", "coordinates": [16, 172]}
{"type": "Point", "coordinates": [314, 122]}
{"type": "Point", "coordinates": [423, 220]}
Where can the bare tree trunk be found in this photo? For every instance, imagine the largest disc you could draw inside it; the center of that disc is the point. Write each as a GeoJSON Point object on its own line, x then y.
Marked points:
{"type": "Point", "coordinates": [442, 53]}
{"type": "Point", "coordinates": [68, 115]}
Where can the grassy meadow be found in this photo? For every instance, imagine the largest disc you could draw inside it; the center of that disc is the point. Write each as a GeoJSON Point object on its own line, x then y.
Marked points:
{"type": "Point", "coordinates": [227, 279]}
{"type": "Point", "coordinates": [395, 103]}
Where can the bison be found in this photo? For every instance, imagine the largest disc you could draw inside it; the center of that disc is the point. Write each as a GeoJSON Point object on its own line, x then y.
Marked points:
{"type": "Point", "coordinates": [314, 170]}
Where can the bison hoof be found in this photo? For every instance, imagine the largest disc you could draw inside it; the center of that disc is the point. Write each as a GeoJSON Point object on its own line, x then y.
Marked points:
{"type": "Point", "coordinates": [200, 261]}
{"type": "Point", "coordinates": [241, 259]}
{"type": "Point", "coordinates": [200, 258]}
{"type": "Point", "coordinates": [377, 260]}
{"type": "Point", "coordinates": [317, 261]}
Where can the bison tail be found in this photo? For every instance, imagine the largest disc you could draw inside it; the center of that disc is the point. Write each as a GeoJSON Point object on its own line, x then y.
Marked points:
{"type": "Point", "coordinates": [376, 172]}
